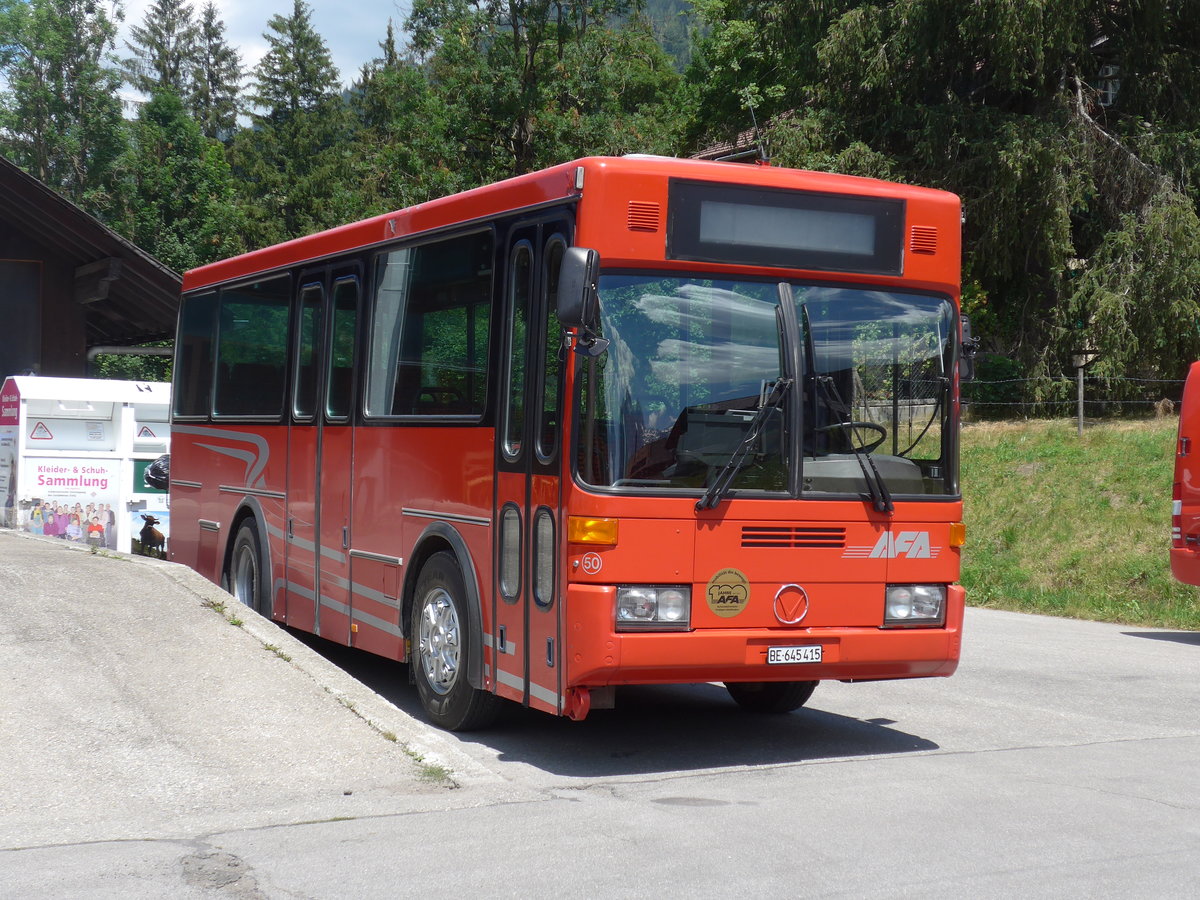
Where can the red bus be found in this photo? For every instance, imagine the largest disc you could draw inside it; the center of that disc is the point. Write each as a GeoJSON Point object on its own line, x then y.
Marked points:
{"type": "Point", "coordinates": [623, 421]}
{"type": "Point", "coordinates": [1185, 501]}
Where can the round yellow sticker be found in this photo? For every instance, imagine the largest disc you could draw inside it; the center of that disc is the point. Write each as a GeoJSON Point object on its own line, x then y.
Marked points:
{"type": "Point", "coordinates": [728, 592]}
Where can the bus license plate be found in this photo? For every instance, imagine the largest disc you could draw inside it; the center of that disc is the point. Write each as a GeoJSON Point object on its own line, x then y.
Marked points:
{"type": "Point", "coordinates": [777, 656]}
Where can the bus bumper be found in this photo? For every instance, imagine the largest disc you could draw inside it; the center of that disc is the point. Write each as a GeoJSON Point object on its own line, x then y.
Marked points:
{"type": "Point", "coordinates": [597, 655]}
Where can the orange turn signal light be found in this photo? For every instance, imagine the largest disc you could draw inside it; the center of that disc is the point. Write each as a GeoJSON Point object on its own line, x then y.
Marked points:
{"type": "Point", "coordinates": [586, 530]}
{"type": "Point", "coordinates": [958, 534]}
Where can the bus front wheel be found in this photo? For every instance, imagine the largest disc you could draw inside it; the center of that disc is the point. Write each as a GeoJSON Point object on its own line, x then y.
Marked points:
{"type": "Point", "coordinates": [770, 696]}
{"type": "Point", "coordinates": [441, 650]}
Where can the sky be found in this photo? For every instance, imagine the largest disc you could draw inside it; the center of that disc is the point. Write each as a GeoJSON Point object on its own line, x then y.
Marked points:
{"type": "Point", "coordinates": [352, 29]}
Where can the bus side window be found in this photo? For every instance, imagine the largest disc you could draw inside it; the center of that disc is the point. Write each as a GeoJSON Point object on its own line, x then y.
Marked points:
{"type": "Point", "coordinates": [430, 330]}
{"type": "Point", "coordinates": [548, 412]}
{"type": "Point", "coordinates": [194, 359]}
{"type": "Point", "coordinates": [304, 404]}
{"type": "Point", "coordinates": [342, 349]}
{"type": "Point", "coordinates": [252, 349]}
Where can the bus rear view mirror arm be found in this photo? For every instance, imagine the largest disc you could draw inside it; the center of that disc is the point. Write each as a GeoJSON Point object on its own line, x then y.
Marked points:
{"type": "Point", "coordinates": [578, 302]}
{"type": "Point", "coordinates": [970, 346]}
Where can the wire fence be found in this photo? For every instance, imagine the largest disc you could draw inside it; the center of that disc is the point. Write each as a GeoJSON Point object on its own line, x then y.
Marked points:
{"type": "Point", "coordinates": [1093, 397]}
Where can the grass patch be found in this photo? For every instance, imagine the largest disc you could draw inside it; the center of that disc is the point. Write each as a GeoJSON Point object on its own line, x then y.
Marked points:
{"type": "Point", "coordinates": [1073, 526]}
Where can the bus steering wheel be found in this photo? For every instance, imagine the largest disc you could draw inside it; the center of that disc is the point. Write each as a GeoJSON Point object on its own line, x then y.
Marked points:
{"type": "Point", "coordinates": [869, 426]}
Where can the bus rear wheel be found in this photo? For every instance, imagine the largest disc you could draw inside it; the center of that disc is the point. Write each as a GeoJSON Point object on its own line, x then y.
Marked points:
{"type": "Point", "coordinates": [244, 579]}
{"type": "Point", "coordinates": [441, 650]}
{"type": "Point", "coordinates": [770, 696]}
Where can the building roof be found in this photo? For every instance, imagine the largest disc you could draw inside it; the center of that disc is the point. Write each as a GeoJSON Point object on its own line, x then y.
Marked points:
{"type": "Point", "coordinates": [128, 296]}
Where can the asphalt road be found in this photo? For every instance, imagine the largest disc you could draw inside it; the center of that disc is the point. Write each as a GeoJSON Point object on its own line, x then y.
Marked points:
{"type": "Point", "coordinates": [149, 748]}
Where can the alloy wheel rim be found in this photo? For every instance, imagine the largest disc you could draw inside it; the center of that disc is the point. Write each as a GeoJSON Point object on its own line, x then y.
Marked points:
{"type": "Point", "coordinates": [439, 641]}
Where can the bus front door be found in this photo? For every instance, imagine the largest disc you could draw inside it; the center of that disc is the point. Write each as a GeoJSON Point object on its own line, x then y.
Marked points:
{"type": "Point", "coordinates": [1185, 512]}
{"type": "Point", "coordinates": [526, 638]}
{"type": "Point", "coordinates": [320, 455]}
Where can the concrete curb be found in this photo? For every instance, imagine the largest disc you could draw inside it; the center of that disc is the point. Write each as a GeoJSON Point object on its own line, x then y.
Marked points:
{"type": "Point", "coordinates": [428, 746]}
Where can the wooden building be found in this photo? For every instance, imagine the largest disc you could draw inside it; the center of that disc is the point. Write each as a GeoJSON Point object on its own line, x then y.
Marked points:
{"type": "Point", "coordinates": [69, 283]}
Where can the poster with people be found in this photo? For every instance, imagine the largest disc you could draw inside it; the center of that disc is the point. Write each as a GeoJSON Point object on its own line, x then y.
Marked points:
{"type": "Point", "coordinates": [73, 500]}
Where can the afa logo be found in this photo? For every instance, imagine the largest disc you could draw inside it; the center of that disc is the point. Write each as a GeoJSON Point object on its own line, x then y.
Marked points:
{"type": "Point", "coordinates": [906, 544]}
{"type": "Point", "coordinates": [728, 592]}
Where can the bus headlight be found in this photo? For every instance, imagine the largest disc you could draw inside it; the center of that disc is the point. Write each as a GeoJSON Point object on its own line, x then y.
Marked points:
{"type": "Point", "coordinates": [914, 605]}
{"type": "Point", "coordinates": [642, 607]}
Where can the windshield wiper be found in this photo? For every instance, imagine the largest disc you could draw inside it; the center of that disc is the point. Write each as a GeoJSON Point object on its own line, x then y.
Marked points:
{"type": "Point", "coordinates": [880, 496]}
{"type": "Point", "coordinates": [720, 487]}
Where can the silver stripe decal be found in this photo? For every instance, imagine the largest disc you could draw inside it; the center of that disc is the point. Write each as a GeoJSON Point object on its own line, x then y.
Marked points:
{"type": "Point", "coordinates": [361, 589]}
{"type": "Point", "coordinates": [299, 591]}
{"type": "Point", "coordinates": [336, 606]}
{"type": "Point", "coordinates": [535, 690]}
{"type": "Point", "coordinates": [510, 646]}
{"type": "Point", "coordinates": [190, 484]}
{"type": "Point", "coordinates": [389, 627]}
{"type": "Point", "coordinates": [255, 492]}
{"type": "Point", "coordinates": [255, 463]}
{"type": "Point", "coordinates": [544, 694]}
{"type": "Point", "coordinates": [304, 544]}
{"type": "Point", "coordinates": [448, 517]}
{"type": "Point", "coordinates": [207, 525]}
{"type": "Point", "coordinates": [354, 615]}
{"type": "Point", "coordinates": [377, 557]}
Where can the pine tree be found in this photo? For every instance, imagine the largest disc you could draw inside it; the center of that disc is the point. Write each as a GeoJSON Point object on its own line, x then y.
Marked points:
{"type": "Point", "coordinates": [297, 156]}
{"type": "Point", "coordinates": [61, 117]}
{"type": "Point", "coordinates": [164, 48]}
{"type": "Point", "coordinates": [297, 73]}
{"type": "Point", "coordinates": [216, 78]}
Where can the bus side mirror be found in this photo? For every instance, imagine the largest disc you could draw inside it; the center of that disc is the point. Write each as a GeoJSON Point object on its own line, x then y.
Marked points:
{"type": "Point", "coordinates": [578, 304]}
{"type": "Point", "coordinates": [970, 345]}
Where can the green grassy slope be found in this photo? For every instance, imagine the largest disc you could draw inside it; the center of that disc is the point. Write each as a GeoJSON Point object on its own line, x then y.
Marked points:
{"type": "Point", "coordinates": [1071, 526]}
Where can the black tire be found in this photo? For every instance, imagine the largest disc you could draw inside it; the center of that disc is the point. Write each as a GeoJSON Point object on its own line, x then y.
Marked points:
{"type": "Point", "coordinates": [246, 577]}
{"type": "Point", "coordinates": [441, 650]}
{"type": "Point", "coordinates": [770, 696]}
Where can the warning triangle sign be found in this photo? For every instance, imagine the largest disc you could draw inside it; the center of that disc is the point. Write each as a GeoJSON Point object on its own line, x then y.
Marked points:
{"type": "Point", "coordinates": [145, 432]}
{"type": "Point", "coordinates": [41, 433]}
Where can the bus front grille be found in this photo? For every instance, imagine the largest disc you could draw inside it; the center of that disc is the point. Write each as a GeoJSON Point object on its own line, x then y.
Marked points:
{"type": "Point", "coordinates": [793, 536]}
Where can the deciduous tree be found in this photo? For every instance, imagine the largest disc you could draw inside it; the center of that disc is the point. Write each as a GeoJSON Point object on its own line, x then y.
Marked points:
{"type": "Point", "coordinates": [60, 117]}
{"type": "Point", "coordinates": [1071, 128]}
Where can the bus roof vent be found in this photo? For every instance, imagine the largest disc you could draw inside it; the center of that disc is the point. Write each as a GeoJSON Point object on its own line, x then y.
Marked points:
{"type": "Point", "coordinates": [793, 537]}
{"type": "Point", "coordinates": [644, 216]}
{"type": "Point", "coordinates": [922, 239]}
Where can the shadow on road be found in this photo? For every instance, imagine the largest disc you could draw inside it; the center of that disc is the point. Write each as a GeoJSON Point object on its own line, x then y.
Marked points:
{"type": "Point", "coordinates": [653, 728]}
{"type": "Point", "coordinates": [1178, 637]}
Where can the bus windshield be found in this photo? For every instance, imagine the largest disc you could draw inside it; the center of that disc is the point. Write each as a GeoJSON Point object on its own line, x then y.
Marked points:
{"type": "Point", "coordinates": [692, 389]}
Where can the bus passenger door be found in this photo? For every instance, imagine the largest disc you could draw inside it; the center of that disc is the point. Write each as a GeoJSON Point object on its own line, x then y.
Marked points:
{"type": "Point", "coordinates": [526, 637]}
{"type": "Point", "coordinates": [300, 525]}
{"type": "Point", "coordinates": [1185, 511]}
{"type": "Point", "coordinates": [334, 475]}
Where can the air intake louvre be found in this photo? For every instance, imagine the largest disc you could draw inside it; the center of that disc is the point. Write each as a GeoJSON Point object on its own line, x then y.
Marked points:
{"type": "Point", "coordinates": [644, 216]}
{"type": "Point", "coordinates": [793, 536]}
{"type": "Point", "coordinates": [923, 239]}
